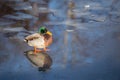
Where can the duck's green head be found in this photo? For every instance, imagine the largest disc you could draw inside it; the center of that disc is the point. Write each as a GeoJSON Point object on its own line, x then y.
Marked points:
{"type": "Point", "coordinates": [43, 31]}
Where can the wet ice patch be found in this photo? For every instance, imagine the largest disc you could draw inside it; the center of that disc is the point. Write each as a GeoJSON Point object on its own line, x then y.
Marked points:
{"type": "Point", "coordinates": [18, 16]}
{"type": "Point", "coordinates": [17, 29]}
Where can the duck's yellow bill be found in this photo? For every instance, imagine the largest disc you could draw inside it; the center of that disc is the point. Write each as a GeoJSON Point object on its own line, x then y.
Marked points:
{"type": "Point", "coordinates": [48, 32]}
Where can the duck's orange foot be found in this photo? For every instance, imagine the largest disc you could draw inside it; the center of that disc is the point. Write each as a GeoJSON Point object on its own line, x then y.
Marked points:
{"type": "Point", "coordinates": [36, 50]}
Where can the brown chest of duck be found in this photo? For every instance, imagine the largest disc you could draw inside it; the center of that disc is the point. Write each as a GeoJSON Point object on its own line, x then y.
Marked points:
{"type": "Point", "coordinates": [40, 60]}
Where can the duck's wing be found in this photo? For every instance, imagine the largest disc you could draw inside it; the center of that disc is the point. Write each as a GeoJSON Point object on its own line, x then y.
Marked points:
{"type": "Point", "coordinates": [33, 36]}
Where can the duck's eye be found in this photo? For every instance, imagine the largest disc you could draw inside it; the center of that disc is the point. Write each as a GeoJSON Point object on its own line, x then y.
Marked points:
{"type": "Point", "coordinates": [42, 31]}
{"type": "Point", "coordinates": [45, 30]}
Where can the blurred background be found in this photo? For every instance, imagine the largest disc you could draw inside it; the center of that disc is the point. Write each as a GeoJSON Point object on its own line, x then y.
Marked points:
{"type": "Point", "coordinates": [86, 38]}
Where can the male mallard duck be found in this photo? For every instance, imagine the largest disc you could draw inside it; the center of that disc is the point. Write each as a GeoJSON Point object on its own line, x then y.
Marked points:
{"type": "Point", "coordinates": [42, 39]}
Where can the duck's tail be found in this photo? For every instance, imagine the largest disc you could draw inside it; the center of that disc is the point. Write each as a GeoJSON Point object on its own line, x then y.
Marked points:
{"type": "Point", "coordinates": [26, 40]}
